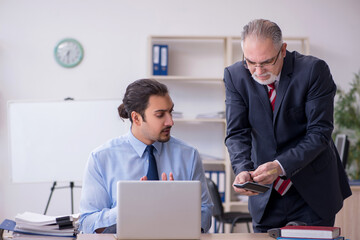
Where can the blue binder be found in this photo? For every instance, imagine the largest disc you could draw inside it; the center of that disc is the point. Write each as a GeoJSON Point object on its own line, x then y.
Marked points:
{"type": "Point", "coordinates": [218, 177]}
{"type": "Point", "coordinates": [156, 59]}
{"type": "Point", "coordinates": [164, 60]}
{"type": "Point", "coordinates": [160, 59]}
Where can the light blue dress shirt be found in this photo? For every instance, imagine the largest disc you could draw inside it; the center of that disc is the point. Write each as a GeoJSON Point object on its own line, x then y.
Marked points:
{"type": "Point", "coordinates": [124, 158]}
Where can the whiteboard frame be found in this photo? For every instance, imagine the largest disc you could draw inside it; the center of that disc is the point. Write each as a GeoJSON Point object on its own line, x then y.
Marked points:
{"type": "Point", "coordinates": [51, 140]}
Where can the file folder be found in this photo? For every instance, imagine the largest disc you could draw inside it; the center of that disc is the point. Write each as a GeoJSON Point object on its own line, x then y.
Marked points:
{"type": "Point", "coordinates": [164, 60]}
{"type": "Point", "coordinates": [160, 59]}
{"type": "Point", "coordinates": [156, 59]}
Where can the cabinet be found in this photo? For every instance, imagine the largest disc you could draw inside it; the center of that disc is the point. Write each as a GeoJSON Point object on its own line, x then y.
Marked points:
{"type": "Point", "coordinates": [194, 79]}
{"type": "Point", "coordinates": [349, 216]}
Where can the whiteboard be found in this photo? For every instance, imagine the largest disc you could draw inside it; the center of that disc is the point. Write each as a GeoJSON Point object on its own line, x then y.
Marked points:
{"type": "Point", "coordinates": [51, 141]}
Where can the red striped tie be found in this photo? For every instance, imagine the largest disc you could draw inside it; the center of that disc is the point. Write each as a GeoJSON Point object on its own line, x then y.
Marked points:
{"type": "Point", "coordinates": [280, 185]}
{"type": "Point", "coordinates": [272, 94]}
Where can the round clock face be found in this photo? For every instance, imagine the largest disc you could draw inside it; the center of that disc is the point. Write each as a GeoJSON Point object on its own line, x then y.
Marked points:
{"type": "Point", "coordinates": [68, 53]}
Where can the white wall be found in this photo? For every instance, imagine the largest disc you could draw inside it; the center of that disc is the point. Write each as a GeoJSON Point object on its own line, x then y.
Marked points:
{"type": "Point", "coordinates": [114, 34]}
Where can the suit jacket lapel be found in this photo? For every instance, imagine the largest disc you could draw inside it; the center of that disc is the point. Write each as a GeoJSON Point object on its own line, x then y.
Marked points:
{"type": "Point", "coordinates": [283, 84]}
{"type": "Point", "coordinates": [262, 93]}
{"type": "Point", "coordinates": [280, 93]}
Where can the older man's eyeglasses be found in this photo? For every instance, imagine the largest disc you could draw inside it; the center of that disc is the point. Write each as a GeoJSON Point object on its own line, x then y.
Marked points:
{"type": "Point", "coordinates": [270, 62]}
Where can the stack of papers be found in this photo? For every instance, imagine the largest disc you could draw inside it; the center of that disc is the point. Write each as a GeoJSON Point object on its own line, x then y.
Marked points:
{"type": "Point", "coordinates": [30, 225]}
{"type": "Point", "coordinates": [213, 115]}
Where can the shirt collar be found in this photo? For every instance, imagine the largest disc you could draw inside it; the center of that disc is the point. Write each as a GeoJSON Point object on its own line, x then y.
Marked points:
{"type": "Point", "coordinates": [139, 146]}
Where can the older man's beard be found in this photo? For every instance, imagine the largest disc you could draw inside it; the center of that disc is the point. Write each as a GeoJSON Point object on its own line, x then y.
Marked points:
{"type": "Point", "coordinates": [271, 79]}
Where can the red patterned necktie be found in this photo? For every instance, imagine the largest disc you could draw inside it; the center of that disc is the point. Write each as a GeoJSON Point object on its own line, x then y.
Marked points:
{"type": "Point", "coordinates": [280, 185]}
{"type": "Point", "coordinates": [272, 94]}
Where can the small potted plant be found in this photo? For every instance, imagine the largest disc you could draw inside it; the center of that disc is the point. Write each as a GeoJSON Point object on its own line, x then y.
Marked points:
{"type": "Point", "coordinates": [347, 121]}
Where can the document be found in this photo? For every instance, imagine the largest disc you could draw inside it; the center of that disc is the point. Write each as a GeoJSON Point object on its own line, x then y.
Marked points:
{"type": "Point", "coordinates": [28, 224]}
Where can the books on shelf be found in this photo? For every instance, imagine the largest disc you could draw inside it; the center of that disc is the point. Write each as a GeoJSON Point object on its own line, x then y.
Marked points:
{"type": "Point", "coordinates": [30, 225]}
{"type": "Point", "coordinates": [291, 238]}
{"type": "Point", "coordinates": [316, 232]}
{"type": "Point", "coordinates": [206, 116]}
{"type": "Point", "coordinates": [177, 115]}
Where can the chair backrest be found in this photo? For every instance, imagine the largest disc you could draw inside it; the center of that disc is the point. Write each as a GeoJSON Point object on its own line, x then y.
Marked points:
{"type": "Point", "coordinates": [342, 145]}
{"type": "Point", "coordinates": [218, 209]}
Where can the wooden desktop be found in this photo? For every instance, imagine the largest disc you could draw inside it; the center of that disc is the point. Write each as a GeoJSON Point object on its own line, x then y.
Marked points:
{"type": "Point", "coordinates": [220, 236]}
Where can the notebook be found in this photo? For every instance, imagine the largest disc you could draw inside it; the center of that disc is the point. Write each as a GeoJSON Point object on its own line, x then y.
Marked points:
{"type": "Point", "coordinates": [158, 210]}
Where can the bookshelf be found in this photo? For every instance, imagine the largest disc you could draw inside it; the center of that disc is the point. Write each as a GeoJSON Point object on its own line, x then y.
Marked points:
{"type": "Point", "coordinates": [195, 81]}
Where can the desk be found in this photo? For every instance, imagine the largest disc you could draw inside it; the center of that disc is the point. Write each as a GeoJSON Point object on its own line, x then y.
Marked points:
{"type": "Point", "coordinates": [217, 236]}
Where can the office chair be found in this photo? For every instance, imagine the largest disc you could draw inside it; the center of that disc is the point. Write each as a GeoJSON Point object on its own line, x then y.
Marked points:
{"type": "Point", "coordinates": [342, 145]}
{"type": "Point", "coordinates": [226, 217]}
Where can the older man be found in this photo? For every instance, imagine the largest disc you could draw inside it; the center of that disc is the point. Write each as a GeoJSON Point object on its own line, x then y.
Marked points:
{"type": "Point", "coordinates": [279, 110]}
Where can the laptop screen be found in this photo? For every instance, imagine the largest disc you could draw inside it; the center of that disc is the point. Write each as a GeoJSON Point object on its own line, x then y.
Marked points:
{"type": "Point", "coordinates": [158, 210]}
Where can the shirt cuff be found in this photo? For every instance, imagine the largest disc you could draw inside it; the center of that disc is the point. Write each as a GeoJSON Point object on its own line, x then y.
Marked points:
{"type": "Point", "coordinates": [283, 170]}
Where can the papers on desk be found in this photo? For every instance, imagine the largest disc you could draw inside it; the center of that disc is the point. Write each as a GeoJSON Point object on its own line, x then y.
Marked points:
{"type": "Point", "coordinates": [36, 226]}
{"type": "Point", "coordinates": [213, 115]}
{"type": "Point", "coordinates": [36, 219]}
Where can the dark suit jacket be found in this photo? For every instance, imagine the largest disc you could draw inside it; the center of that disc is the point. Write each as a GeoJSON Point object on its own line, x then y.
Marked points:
{"type": "Point", "coordinates": [297, 133]}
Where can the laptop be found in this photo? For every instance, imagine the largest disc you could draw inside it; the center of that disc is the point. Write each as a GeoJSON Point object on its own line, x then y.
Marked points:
{"type": "Point", "coordinates": [158, 210]}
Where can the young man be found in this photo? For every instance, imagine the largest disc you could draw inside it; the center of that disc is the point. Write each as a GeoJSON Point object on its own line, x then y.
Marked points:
{"type": "Point", "coordinates": [279, 110]}
{"type": "Point", "coordinates": [149, 107]}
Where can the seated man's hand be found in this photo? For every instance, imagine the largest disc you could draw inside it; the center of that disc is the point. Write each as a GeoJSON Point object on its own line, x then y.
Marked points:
{"type": "Point", "coordinates": [163, 177]}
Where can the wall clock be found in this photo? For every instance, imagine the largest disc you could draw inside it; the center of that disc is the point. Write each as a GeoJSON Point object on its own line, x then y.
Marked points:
{"type": "Point", "coordinates": [68, 53]}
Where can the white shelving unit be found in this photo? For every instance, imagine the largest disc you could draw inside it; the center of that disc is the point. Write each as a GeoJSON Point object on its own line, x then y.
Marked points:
{"type": "Point", "coordinates": [195, 81]}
